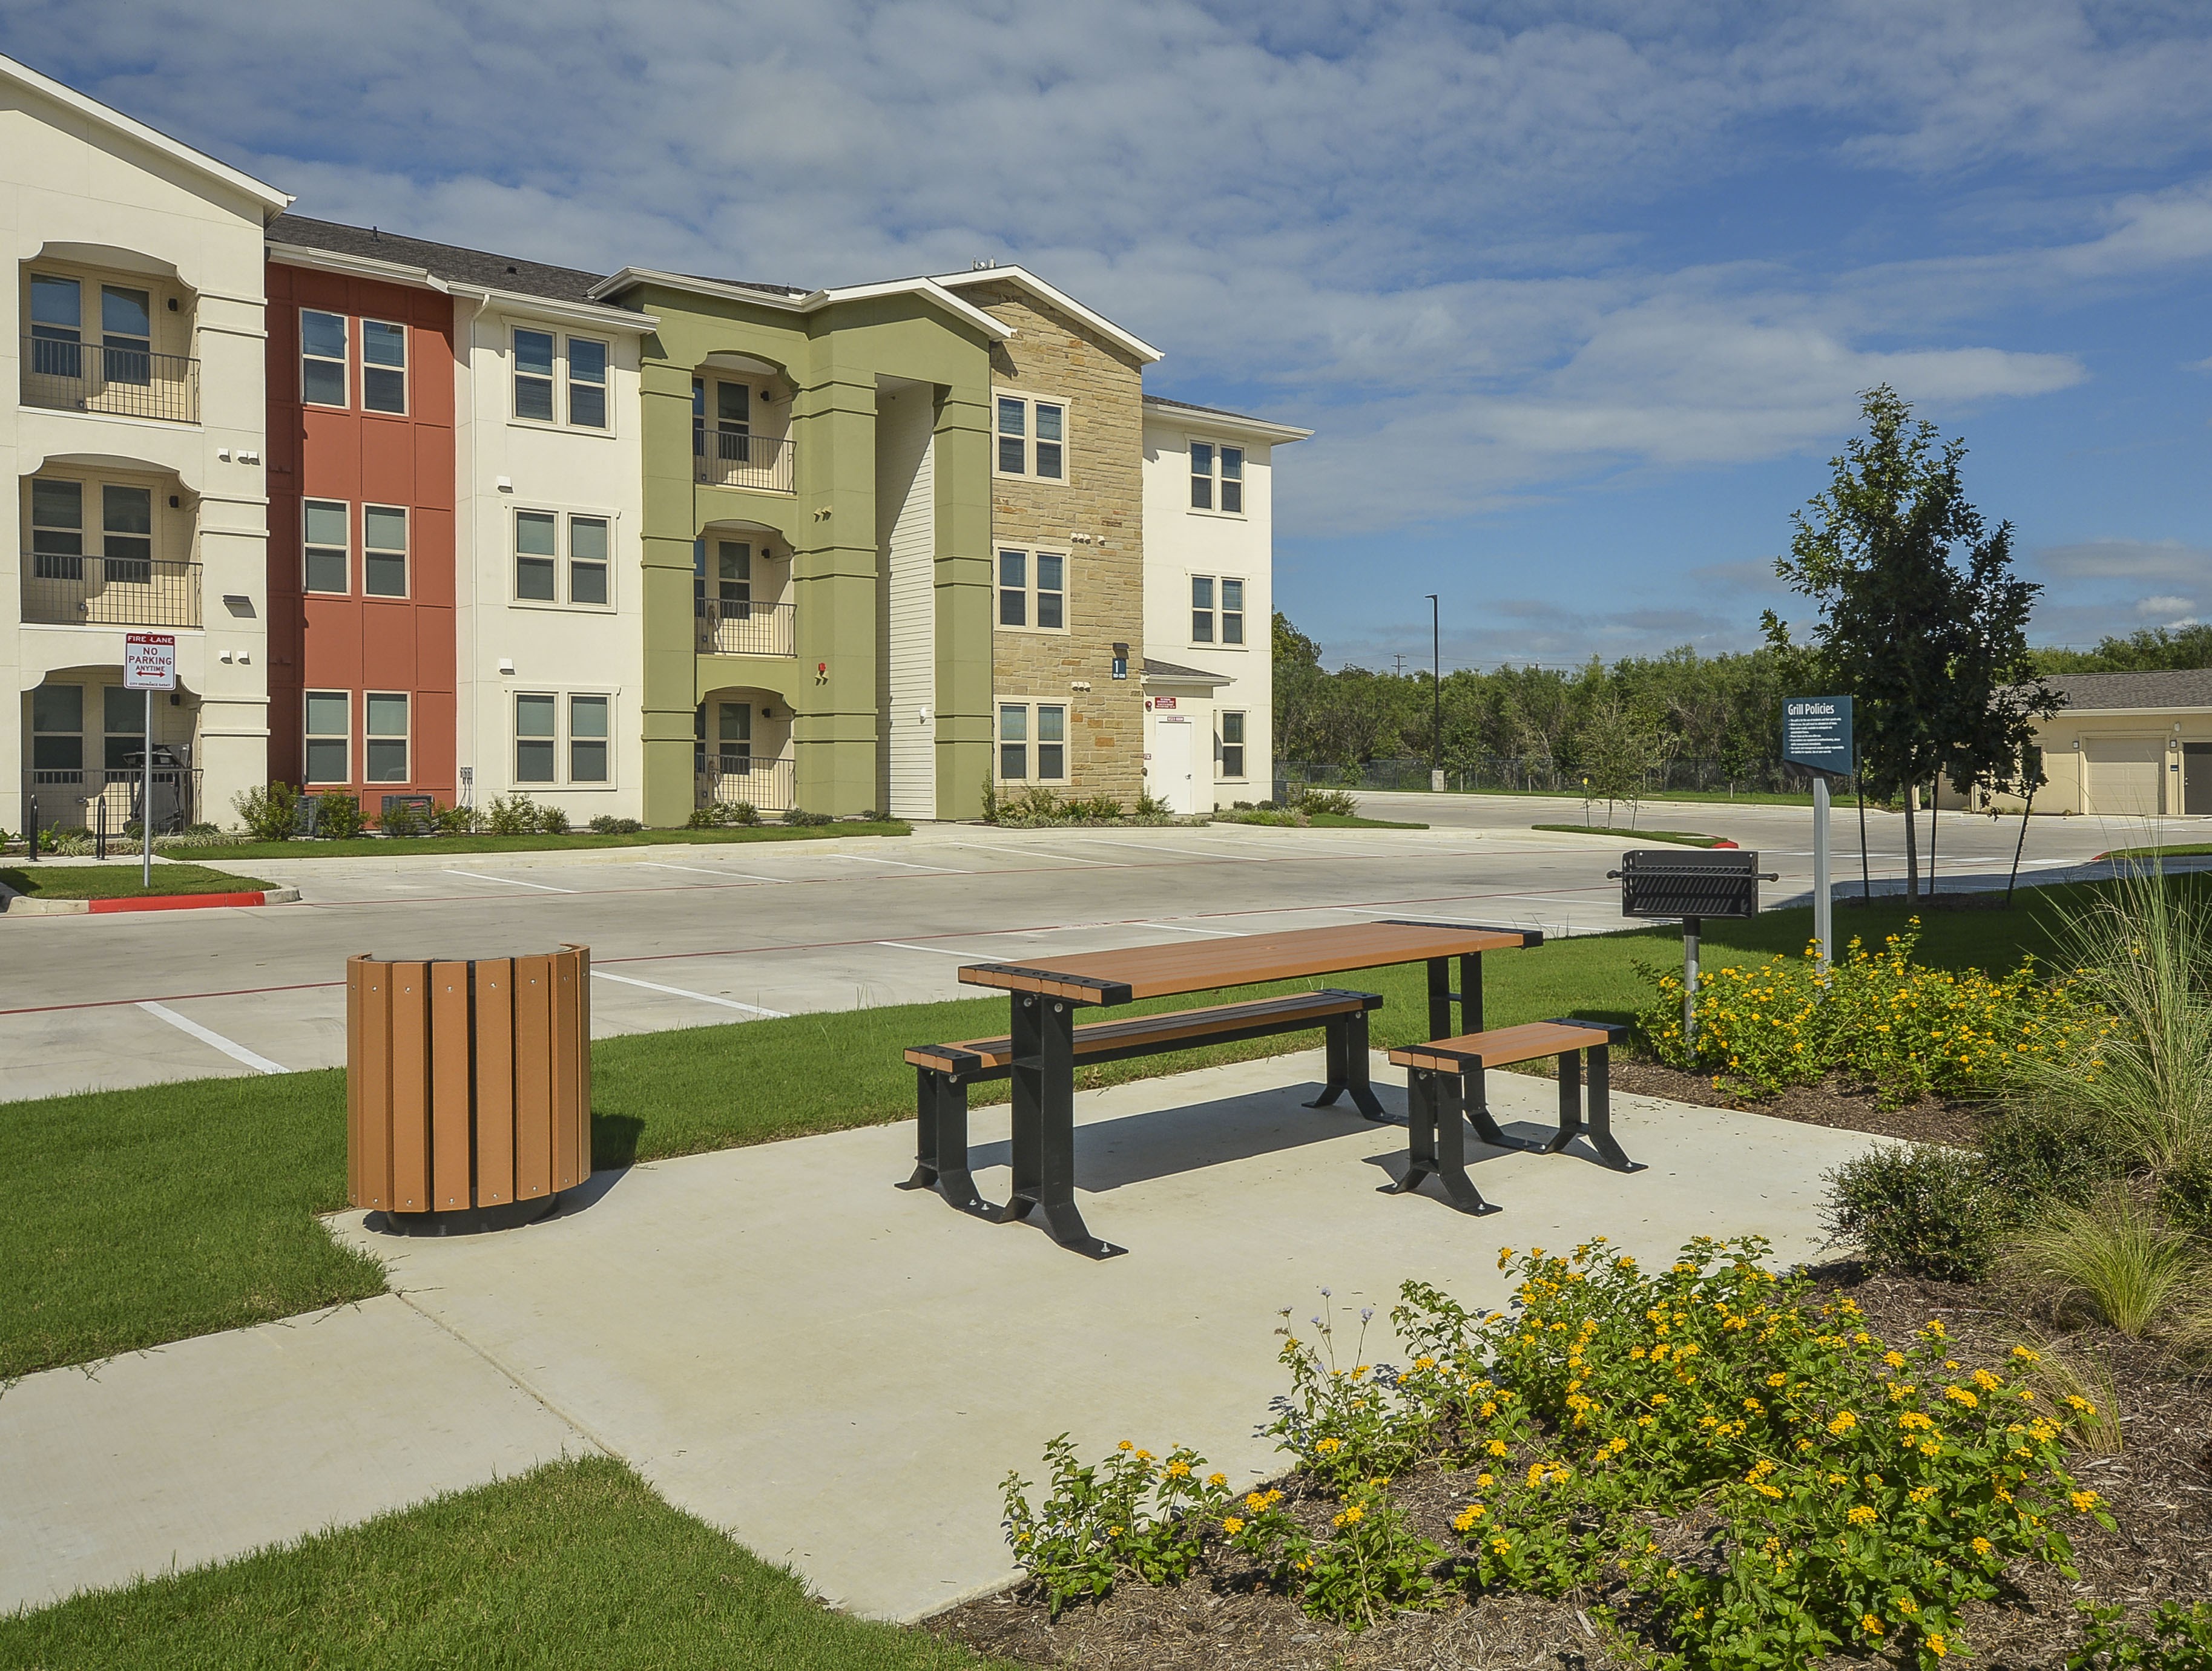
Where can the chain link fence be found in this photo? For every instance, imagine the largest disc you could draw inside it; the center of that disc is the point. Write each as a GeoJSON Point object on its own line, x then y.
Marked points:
{"type": "Point", "coordinates": [1539, 774]}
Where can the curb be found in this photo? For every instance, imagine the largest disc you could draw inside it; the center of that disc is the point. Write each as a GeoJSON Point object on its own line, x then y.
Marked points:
{"type": "Point", "coordinates": [24, 905]}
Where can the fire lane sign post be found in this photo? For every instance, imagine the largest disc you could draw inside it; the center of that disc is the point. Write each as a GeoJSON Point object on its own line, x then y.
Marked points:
{"type": "Point", "coordinates": [1816, 734]}
{"type": "Point", "coordinates": [149, 664]}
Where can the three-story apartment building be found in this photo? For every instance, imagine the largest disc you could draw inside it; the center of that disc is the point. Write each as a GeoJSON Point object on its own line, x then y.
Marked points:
{"type": "Point", "coordinates": [131, 434]}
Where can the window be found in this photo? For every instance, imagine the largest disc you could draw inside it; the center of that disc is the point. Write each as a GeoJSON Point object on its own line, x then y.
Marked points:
{"type": "Point", "coordinates": [1233, 745]}
{"type": "Point", "coordinates": [1043, 603]}
{"type": "Point", "coordinates": [1044, 724]}
{"type": "Point", "coordinates": [383, 367]}
{"type": "Point", "coordinates": [728, 438]}
{"type": "Point", "coordinates": [587, 383]}
{"type": "Point", "coordinates": [537, 535]}
{"type": "Point", "coordinates": [126, 335]}
{"type": "Point", "coordinates": [57, 530]}
{"type": "Point", "coordinates": [1032, 437]}
{"type": "Point", "coordinates": [329, 564]}
{"type": "Point", "coordinates": [330, 735]}
{"type": "Point", "coordinates": [728, 584]}
{"type": "Point", "coordinates": [123, 725]}
{"type": "Point", "coordinates": [385, 735]}
{"type": "Point", "coordinates": [588, 739]}
{"type": "Point", "coordinates": [384, 550]}
{"type": "Point", "coordinates": [57, 326]}
{"type": "Point", "coordinates": [533, 375]}
{"type": "Point", "coordinates": [58, 728]}
{"type": "Point", "coordinates": [322, 358]}
{"type": "Point", "coordinates": [126, 520]}
{"type": "Point", "coordinates": [1208, 625]}
{"type": "Point", "coordinates": [1205, 458]}
{"type": "Point", "coordinates": [587, 560]}
{"type": "Point", "coordinates": [535, 746]}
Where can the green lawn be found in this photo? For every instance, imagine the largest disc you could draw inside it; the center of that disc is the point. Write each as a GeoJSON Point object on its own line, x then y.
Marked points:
{"type": "Point", "coordinates": [577, 1564]}
{"type": "Point", "coordinates": [2187, 850]}
{"type": "Point", "coordinates": [383, 846]}
{"type": "Point", "coordinates": [1683, 838]}
{"type": "Point", "coordinates": [44, 881]}
{"type": "Point", "coordinates": [149, 1215]}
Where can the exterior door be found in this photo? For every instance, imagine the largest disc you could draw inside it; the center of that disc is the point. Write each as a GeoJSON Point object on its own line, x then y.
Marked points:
{"type": "Point", "coordinates": [2122, 776]}
{"type": "Point", "coordinates": [2196, 779]}
{"type": "Point", "coordinates": [1175, 764]}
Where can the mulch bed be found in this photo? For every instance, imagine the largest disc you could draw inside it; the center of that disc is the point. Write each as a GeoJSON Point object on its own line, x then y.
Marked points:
{"type": "Point", "coordinates": [1834, 1102]}
{"type": "Point", "coordinates": [2160, 1491]}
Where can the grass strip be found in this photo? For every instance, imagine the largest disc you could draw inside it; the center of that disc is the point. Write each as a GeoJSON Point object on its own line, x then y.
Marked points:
{"type": "Point", "coordinates": [578, 1563]}
{"type": "Point", "coordinates": [2185, 850]}
{"type": "Point", "coordinates": [1743, 797]}
{"type": "Point", "coordinates": [386, 846]}
{"type": "Point", "coordinates": [1681, 838]}
{"type": "Point", "coordinates": [43, 881]}
{"type": "Point", "coordinates": [152, 1214]}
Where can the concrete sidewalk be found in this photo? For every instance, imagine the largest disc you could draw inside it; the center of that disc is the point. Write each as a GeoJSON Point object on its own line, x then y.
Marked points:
{"type": "Point", "coordinates": [837, 1373]}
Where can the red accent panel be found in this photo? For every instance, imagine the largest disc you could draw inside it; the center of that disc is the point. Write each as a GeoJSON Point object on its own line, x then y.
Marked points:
{"type": "Point", "coordinates": [174, 902]}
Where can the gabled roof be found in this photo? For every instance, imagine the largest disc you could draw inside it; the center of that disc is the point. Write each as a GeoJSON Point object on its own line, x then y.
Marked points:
{"type": "Point", "coordinates": [1022, 278]}
{"type": "Point", "coordinates": [116, 122]}
{"type": "Point", "coordinates": [372, 252]}
{"type": "Point", "coordinates": [786, 298]}
{"type": "Point", "coordinates": [2099, 693]}
{"type": "Point", "coordinates": [1175, 674]}
{"type": "Point", "coordinates": [1213, 417]}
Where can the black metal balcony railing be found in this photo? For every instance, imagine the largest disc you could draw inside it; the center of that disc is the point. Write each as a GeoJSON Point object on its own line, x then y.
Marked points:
{"type": "Point", "coordinates": [122, 382]}
{"type": "Point", "coordinates": [91, 798]}
{"type": "Point", "coordinates": [111, 591]}
{"type": "Point", "coordinates": [764, 785]}
{"type": "Point", "coordinates": [725, 459]}
{"type": "Point", "coordinates": [728, 628]}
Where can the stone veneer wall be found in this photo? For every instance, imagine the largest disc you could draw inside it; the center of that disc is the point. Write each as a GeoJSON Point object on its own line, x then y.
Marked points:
{"type": "Point", "coordinates": [1096, 516]}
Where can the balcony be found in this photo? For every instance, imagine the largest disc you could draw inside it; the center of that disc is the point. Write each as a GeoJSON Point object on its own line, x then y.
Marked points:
{"type": "Point", "coordinates": [111, 591]}
{"type": "Point", "coordinates": [120, 382]}
{"type": "Point", "coordinates": [729, 458]}
{"type": "Point", "coordinates": [725, 627]}
{"type": "Point", "coordinates": [732, 780]}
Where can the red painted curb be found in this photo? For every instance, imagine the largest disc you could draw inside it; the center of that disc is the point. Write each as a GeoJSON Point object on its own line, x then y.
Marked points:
{"type": "Point", "coordinates": [1724, 844]}
{"type": "Point", "coordinates": [175, 903]}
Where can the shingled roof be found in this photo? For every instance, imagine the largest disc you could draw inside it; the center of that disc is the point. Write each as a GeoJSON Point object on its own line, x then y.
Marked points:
{"type": "Point", "coordinates": [477, 268]}
{"type": "Point", "coordinates": [2096, 693]}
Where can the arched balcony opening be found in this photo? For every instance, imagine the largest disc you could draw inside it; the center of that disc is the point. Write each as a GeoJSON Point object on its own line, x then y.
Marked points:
{"type": "Point", "coordinates": [741, 424]}
{"type": "Point", "coordinates": [113, 541]}
{"type": "Point", "coordinates": [741, 594]}
{"type": "Point", "coordinates": [84, 740]}
{"type": "Point", "coordinates": [741, 750]}
{"type": "Point", "coordinates": [108, 331]}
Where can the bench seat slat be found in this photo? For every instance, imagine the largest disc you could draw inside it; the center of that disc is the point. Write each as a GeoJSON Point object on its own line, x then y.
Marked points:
{"type": "Point", "coordinates": [1501, 1048]}
{"type": "Point", "coordinates": [1133, 1032]}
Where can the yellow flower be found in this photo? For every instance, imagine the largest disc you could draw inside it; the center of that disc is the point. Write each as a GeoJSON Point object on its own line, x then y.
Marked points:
{"type": "Point", "coordinates": [1217, 1478]}
{"type": "Point", "coordinates": [1984, 1546]}
{"type": "Point", "coordinates": [1871, 1625]}
{"type": "Point", "coordinates": [1231, 1525]}
{"type": "Point", "coordinates": [1776, 1379]}
{"type": "Point", "coordinates": [1144, 1455]}
{"type": "Point", "coordinates": [1495, 1447]}
{"type": "Point", "coordinates": [1468, 1517]}
{"type": "Point", "coordinates": [1124, 1445]}
{"type": "Point", "coordinates": [2084, 1501]}
{"type": "Point", "coordinates": [1920, 1494]}
{"type": "Point", "coordinates": [1501, 1545]}
{"type": "Point", "coordinates": [1329, 1447]}
{"type": "Point", "coordinates": [1842, 1423]}
{"type": "Point", "coordinates": [1862, 1516]}
{"type": "Point", "coordinates": [1894, 1359]}
{"type": "Point", "coordinates": [1935, 1646]}
{"type": "Point", "coordinates": [1177, 1469]}
{"type": "Point", "coordinates": [1113, 1531]}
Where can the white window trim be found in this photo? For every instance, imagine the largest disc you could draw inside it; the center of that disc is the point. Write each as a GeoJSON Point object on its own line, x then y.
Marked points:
{"type": "Point", "coordinates": [388, 786]}
{"type": "Point", "coordinates": [563, 556]}
{"type": "Point", "coordinates": [344, 361]}
{"type": "Point", "coordinates": [1027, 471]}
{"type": "Point", "coordinates": [307, 591]}
{"type": "Point", "coordinates": [1030, 553]}
{"type": "Point", "coordinates": [563, 418]}
{"type": "Point", "coordinates": [1243, 481]}
{"type": "Point", "coordinates": [1191, 610]}
{"type": "Point", "coordinates": [92, 530]}
{"type": "Point", "coordinates": [561, 782]}
{"type": "Point", "coordinates": [309, 785]}
{"type": "Point", "coordinates": [1066, 744]}
{"type": "Point", "coordinates": [406, 553]}
{"type": "Point", "coordinates": [515, 374]}
{"type": "Point", "coordinates": [605, 386]}
{"type": "Point", "coordinates": [1222, 744]}
{"type": "Point", "coordinates": [406, 367]}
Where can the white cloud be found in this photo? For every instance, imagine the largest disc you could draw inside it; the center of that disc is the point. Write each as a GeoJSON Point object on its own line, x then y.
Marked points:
{"type": "Point", "coordinates": [2127, 559]}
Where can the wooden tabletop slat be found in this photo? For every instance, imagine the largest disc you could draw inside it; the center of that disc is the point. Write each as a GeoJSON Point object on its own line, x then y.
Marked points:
{"type": "Point", "coordinates": [1161, 971]}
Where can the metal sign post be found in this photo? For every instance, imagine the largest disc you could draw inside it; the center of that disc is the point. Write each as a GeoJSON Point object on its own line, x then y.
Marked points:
{"type": "Point", "coordinates": [149, 664]}
{"type": "Point", "coordinates": [1816, 734]}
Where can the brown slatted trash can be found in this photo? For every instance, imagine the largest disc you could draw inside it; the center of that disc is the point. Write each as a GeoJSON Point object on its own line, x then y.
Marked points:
{"type": "Point", "coordinates": [468, 1087]}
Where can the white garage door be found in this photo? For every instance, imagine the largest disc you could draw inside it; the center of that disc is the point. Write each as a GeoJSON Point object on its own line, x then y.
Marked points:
{"type": "Point", "coordinates": [2122, 776]}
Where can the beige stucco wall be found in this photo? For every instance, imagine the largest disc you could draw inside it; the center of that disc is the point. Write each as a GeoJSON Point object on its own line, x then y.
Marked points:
{"type": "Point", "coordinates": [2068, 740]}
{"type": "Point", "coordinates": [1096, 516]}
{"type": "Point", "coordinates": [101, 203]}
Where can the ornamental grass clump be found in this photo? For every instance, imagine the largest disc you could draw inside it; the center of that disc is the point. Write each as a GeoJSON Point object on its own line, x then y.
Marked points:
{"type": "Point", "coordinates": [2114, 1256]}
{"type": "Point", "coordinates": [1904, 1028]}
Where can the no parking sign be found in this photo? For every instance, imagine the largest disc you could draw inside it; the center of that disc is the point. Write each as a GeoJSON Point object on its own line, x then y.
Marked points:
{"type": "Point", "coordinates": [150, 661]}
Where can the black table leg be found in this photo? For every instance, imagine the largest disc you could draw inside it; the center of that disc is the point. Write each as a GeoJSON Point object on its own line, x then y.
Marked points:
{"type": "Point", "coordinates": [1451, 1147]}
{"type": "Point", "coordinates": [1044, 1125]}
{"type": "Point", "coordinates": [941, 1142]}
{"type": "Point", "coordinates": [1440, 998]}
{"type": "Point", "coordinates": [1470, 991]}
{"type": "Point", "coordinates": [1571, 1103]}
{"type": "Point", "coordinates": [1436, 1141]}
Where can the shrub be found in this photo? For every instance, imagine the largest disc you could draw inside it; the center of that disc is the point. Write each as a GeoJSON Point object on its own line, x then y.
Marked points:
{"type": "Point", "coordinates": [720, 815]}
{"type": "Point", "coordinates": [604, 825]}
{"type": "Point", "coordinates": [338, 815]}
{"type": "Point", "coordinates": [2177, 1638]}
{"type": "Point", "coordinates": [1920, 1212]}
{"type": "Point", "coordinates": [1149, 806]}
{"type": "Point", "coordinates": [1325, 803]}
{"type": "Point", "coordinates": [800, 818]}
{"type": "Point", "coordinates": [405, 820]}
{"type": "Point", "coordinates": [1906, 1029]}
{"type": "Point", "coordinates": [1131, 1514]}
{"type": "Point", "coordinates": [1098, 809]}
{"type": "Point", "coordinates": [2042, 1151]}
{"type": "Point", "coordinates": [512, 815]}
{"type": "Point", "coordinates": [67, 842]}
{"type": "Point", "coordinates": [2113, 1255]}
{"type": "Point", "coordinates": [552, 820]}
{"type": "Point", "coordinates": [268, 812]}
{"type": "Point", "coordinates": [457, 821]}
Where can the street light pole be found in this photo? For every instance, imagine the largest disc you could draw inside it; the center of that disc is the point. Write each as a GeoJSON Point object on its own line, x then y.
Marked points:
{"type": "Point", "coordinates": [1436, 695]}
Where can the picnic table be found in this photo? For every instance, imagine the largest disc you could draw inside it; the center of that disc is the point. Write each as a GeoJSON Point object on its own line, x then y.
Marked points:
{"type": "Point", "coordinates": [1044, 997]}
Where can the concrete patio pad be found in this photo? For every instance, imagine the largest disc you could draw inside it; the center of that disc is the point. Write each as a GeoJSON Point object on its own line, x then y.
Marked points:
{"type": "Point", "coordinates": [840, 1374]}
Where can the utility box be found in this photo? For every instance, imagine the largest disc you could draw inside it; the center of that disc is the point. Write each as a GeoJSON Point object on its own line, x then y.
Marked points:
{"type": "Point", "coordinates": [468, 1085]}
{"type": "Point", "coordinates": [1688, 882]}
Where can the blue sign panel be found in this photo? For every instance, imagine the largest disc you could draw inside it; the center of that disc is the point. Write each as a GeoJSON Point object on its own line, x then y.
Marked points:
{"type": "Point", "coordinates": [1816, 731]}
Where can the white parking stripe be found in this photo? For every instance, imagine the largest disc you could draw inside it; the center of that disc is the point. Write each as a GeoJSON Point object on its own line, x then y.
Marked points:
{"type": "Point", "coordinates": [1158, 846]}
{"type": "Point", "coordinates": [942, 951]}
{"type": "Point", "coordinates": [701, 870]}
{"type": "Point", "coordinates": [698, 997]}
{"type": "Point", "coordinates": [1218, 933]}
{"type": "Point", "coordinates": [511, 881]}
{"type": "Point", "coordinates": [235, 1051]}
{"type": "Point", "coordinates": [862, 858]}
{"type": "Point", "coordinates": [1026, 852]}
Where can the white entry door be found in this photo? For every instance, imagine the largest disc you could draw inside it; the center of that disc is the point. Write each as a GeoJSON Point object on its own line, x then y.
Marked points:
{"type": "Point", "coordinates": [1175, 762]}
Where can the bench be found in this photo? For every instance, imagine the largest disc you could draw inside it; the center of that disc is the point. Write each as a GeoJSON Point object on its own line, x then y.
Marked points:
{"type": "Point", "coordinates": [943, 1072]}
{"type": "Point", "coordinates": [1437, 1075]}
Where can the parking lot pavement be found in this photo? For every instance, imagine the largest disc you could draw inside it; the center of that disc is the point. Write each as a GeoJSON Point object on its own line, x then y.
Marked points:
{"type": "Point", "coordinates": [689, 935]}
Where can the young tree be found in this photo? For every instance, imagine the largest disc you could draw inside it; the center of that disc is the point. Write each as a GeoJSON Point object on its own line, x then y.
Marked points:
{"type": "Point", "coordinates": [1618, 747]}
{"type": "Point", "coordinates": [1925, 649]}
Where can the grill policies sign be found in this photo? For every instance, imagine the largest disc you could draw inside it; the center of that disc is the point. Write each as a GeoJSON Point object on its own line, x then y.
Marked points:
{"type": "Point", "coordinates": [1816, 732]}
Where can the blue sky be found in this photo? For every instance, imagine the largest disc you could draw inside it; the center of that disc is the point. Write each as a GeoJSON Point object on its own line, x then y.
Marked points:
{"type": "Point", "coordinates": [1579, 297]}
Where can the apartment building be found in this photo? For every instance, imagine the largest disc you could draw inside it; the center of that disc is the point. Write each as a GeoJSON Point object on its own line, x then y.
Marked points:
{"type": "Point", "coordinates": [1209, 603]}
{"type": "Point", "coordinates": [131, 430]}
{"type": "Point", "coordinates": [454, 532]}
